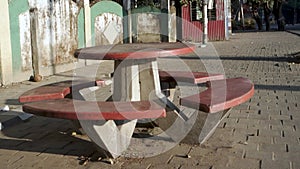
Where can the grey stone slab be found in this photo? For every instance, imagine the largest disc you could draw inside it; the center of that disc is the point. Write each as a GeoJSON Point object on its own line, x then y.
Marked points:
{"type": "Point", "coordinates": [243, 163]}
{"type": "Point", "coordinates": [165, 158]}
{"type": "Point", "coordinates": [259, 155]}
{"type": "Point", "coordinates": [257, 139]}
{"type": "Point", "coordinates": [272, 147]}
{"type": "Point", "coordinates": [279, 117]}
{"type": "Point", "coordinates": [269, 133]}
{"type": "Point", "coordinates": [280, 164]}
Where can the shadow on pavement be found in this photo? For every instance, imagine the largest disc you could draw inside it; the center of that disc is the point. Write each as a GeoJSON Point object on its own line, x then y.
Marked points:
{"type": "Point", "coordinates": [243, 58]}
{"type": "Point", "coordinates": [46, 135]}
{"type": "Point", "coordinates": [277, 87]}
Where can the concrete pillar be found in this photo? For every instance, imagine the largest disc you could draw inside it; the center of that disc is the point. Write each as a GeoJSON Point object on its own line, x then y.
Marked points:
{"type": "Point", "coordinates": [6, 72]}
{"type": "Point", "coordinates": [87, 24]}
{"type": "Point", "coordinates": [229, 16]}
{"type": "Point", "coordinates": [172, 23]}
{"type": "Point", "coordinates": [35, 50]}
{"type": "Point", "coordinates": [87, 27]}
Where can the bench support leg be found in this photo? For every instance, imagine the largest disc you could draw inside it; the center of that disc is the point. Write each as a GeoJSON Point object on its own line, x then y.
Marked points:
{"type": "Point", "coordinates": [196, 130]}
{"type": "Point", "coordinates": [196, 127]}
{"type": "Point", "coordinates": [211, 123]}
{"type": "Point", "coordinates": [112, 138]}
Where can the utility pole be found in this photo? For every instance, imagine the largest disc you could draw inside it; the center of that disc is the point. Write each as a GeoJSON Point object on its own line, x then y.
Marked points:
{"type": "Point", "coordinates": [128, 20]}
{"type": "Point", "coordinates": [164, 5]}
{"type": "Point", "coordinates": [205, 23]}
{"type": "Point", "coordinates": [87, 26]}
{"type": "Point", "coordinates": [87, 23]}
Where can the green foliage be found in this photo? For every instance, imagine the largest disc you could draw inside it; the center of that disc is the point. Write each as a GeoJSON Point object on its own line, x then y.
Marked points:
{"type": "Point", "coordinates": [143, 3]}
{"type": "Point", "coordinates": [249, 23]}
{"type": "Point", "coordinates": [260, 1]}
{"type": "Point", "coordinates": [293, 3]}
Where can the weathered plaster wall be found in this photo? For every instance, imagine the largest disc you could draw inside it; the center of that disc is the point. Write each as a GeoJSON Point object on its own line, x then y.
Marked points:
{"type": "Point", "coordinates": [108, 29]}
{"type": "Point", "coordinates": [107, 24]}
{"type": "Point", "coordinates": [59, 29]}
{"type": "Point", "coordinates": [25, 41]}
{"type": "Point", "coordinates": [56, 30]}
{"type": "Point", "coordinates": [146, 24]}
{"type": "Point", "coordinates": [101, 12]}
{"type": "Point", "coordinates": [148, 27]}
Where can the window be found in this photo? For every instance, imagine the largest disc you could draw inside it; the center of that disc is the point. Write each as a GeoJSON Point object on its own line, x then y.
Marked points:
{"type": "Point", "coordinates": [196, 10]}
{"type": "Point", "coordinates": [211, 10]}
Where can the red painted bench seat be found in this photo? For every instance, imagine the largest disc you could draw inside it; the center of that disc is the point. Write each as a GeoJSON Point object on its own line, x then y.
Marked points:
{"type": "Point", "coordinates": [221, 95]}
{"type": "Point", "coordinates": [190, 77]}
{"type": "Point", "coordinates": [55, 90]}
{"type": "Point", "coordinates": [89, 110]}
{"type": "Point", "coordinates": [60, 89]}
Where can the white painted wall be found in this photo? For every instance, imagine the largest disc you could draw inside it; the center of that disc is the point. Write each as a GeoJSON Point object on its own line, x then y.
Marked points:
{"type": "Point", "coordinates": [6, 74]}
{"type": "Point", "coordinates": [108, 29]}
{"type": "Point", "coordinates": [25, 41]}
{"type": "Point", "coordinates": [148, 27]}
{"type": "Point", "coordinates": [57, 30]}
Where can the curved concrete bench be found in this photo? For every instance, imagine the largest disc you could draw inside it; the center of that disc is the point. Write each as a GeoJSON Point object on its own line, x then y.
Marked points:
{"type": "Point", "coordinates": [57, 90]}
{"type": "Point", "coordinates": [91, 110]}
{"type": "Point", "coordinates": [169, 80]}
{"type": "Point", "coordinates": [60, 89]}
{"type": "Point", "coordinates": [213, 104]}
{"type": "Point", "coordinates": [190, 77]}
{"type": "Point", "coordinates": [221, 95]}
{"type": "Point", "coordinates": [95, 116]}
{"type": "Point", "coordinates": [50, 101]}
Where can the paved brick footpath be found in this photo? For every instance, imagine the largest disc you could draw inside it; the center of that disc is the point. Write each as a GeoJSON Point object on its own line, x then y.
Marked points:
{"type": "Point", "coordinates": [263, 133]}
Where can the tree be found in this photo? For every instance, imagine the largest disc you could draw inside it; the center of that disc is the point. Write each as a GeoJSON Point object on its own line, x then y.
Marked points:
{"type": "Point", "coordinates": [255, 14]}
{"type": "Point", "coordinates": [277, 11]}
{"type": "Point", "coordinates": [267, 9]}
{"type": "Point", "coordinates": [267, 13]}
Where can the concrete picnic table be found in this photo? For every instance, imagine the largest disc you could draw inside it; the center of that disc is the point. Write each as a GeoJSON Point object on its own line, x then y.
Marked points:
{"type": "Point", "coordinates": [137, 93]}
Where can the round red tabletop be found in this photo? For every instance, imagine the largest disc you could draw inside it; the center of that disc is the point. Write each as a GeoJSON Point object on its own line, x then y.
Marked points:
{"type": "Point", "coordinates": [134, 51]}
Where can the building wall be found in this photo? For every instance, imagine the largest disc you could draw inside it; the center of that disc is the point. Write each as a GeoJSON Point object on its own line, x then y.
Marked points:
{"type": "Point", "coordinates": [107, 23]}
{"type": "Point", "coordinates": [146, 24]}
{"type": "Point", "coordinates": [56, 35]}
{"type": "Point", "coordinates": [105, 26]}
{"type": "Point", "coordinates": [5, 45]}
{"type": "Point", "coordinates": [192, 30]}
{"type": "Point", "coordinates": [103, 14]}
{"type": "Point", "coordinates": [53, 30]}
